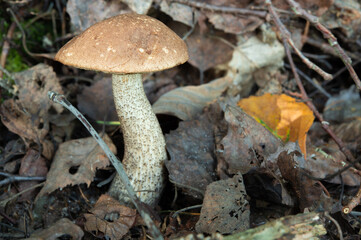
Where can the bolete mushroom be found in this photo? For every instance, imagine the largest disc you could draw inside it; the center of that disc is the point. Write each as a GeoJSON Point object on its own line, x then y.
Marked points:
{"type": "Point", "coordinates": [126, 46]}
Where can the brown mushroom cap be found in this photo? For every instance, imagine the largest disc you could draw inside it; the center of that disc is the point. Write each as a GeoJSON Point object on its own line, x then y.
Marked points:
{"type": "Point", "coordinates": [124, 44]}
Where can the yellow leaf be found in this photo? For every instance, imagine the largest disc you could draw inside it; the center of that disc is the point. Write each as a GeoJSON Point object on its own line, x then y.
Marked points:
{"type": "Point", "coordinates": [282, 115]}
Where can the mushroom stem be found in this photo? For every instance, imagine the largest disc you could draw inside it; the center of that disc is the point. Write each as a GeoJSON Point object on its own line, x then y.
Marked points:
{"type": "Point", "coordinates": [144, 150]}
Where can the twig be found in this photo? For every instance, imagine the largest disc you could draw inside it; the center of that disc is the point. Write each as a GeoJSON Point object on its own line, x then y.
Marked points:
{"type": "Point", "coordinates": [144, 212]}
{"type": "Point", "coordinates": [13, 178]}
{"type": "Point", "coordinates": [354, 202]}
{"type": "Point", "coordinates": [286, 35]}
{"type": "Point", "coordinates": [46, 55]}
{"type": "Point", "coordinates": [332, 40]}
{"type": "Point", "coordinates": [186, 209]}
{"type": "Point", "coordinates": [5, 201]}
{"type": "Point", "coordinates": [223, 9]}
{"type": "Point", "coordinates": [6, 46]}
{"type": "Point", "coordinates": [337, 225]}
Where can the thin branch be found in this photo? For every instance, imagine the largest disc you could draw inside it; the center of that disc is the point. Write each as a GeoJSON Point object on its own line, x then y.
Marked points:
{"type": "Point", "coordinates": [10, 178]}
{"type": "Point", "coordinates": [223, 9]}
{"type": "Point", "coordinates": [143, 211]}
{"type": "Point", "coordinates": [332, 40]}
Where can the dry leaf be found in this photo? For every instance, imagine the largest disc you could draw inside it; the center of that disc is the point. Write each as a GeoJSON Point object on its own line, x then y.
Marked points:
{"type": "Point", "coordinates": [121, 218]}
{"type": "Point", "coordinates": [288, 163]}
{"type": "Point", "coordinates": [225, 208]}
{"type": "Point", "coordinates": [188, 102]}
{"type": "Point", "coordinates": [203, 54]}
{"type": "Point", "coordinates": [76, 162]}
{"type": "Point", "coordinates": [97, 101]}
{"type": "Point", "coordinates": [247, 142]}
{"type": "Point", "coordinates": [32, 164]}
{"type": "Point", "coordinates": [179, 12]}
{"type": "Point", "coordinates": [139, 6]}
{"type": "Point", "coordinates": [282, 115]}
{"type": "Point", "coordinates": [85, 13]}
{"type": "Point", "coordinates": [63, 227]}
{"type": "Point", "coordinates": [191, 150]}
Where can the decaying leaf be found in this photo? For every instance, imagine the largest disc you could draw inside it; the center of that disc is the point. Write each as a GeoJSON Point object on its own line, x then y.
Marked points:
{"type": "Point", "coordinates": [344, 107]}
{"type": "Point", "coordinates": [247, 143]}
{"type": "Point", "coordinates": [84, 13]}
{"type": "Point", "coordinates": [110, 218]}
{"type": "Point", "coordinates": [28, 116]}
{"type": "Point", "coordinates": [188, 102]}
{"type": "Point", "coordinates": [203, 54]}
{"type": "Point", "coordinates": [63, 227]}
{"type": "Point", "coordinates": [191, 150]}
{"type": "Point", "coordinates": [32, 164]}
{"type": "Point", "coordinates": [99, 94]}
{"type": "Point", "coordinates": [288, 163]}
{"type": "Point", "coordinates": [282, 115]}
{"type": "Point", "coordinates": [179, 12]}
{"type": "Point", "coordinates": [76, 162]}
{"type": "Point", "coordinates": [139, 6]}
{"type": "Point", "coordinates": [225, 208]}
{"type": "Point", "coordinates": [326, 160]}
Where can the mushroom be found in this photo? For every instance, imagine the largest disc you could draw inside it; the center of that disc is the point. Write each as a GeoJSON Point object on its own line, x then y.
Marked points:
{"type": "Point", "coordinates": [126, 46]}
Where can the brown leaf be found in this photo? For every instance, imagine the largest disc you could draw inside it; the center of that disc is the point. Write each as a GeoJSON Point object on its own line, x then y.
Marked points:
{"type": "Point", "coordinates": [225, 208]}
{"type": "Point", "coordinates": [62, 227]}
{"type": "Point", "coordinates": [178, 12]}
{"type": "Point", "coordinates": [84, 13]}
{"type": "Point", "coordinates": [191, 149]}
{"type": "Point", "coordinates": [202, 51]}
{"type": "Point", "coordinates": [34, 84]}
{"type": "Point", "coordinates": [97, 101]}
{"type": "Point", "coordinates": [32, 164]}
{"type": "Point", "coordinates": [328, 159]}
{"type": "Point", "coordinates": [288, 162]}
{"type": "Point", "coordinates": [121, 220]}
{"type": "Point", "coordinates": [247, 143]}
{"type": "Point", "coordinates": [230, 23]}
{"type": "Point", "coordinates": [76, 162]}
{"type": "Point", "coordinates": [188, 102]}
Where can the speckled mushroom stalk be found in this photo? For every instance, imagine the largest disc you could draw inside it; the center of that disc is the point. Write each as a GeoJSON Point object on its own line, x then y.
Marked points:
{"type": "Point", "coordinates": [145, 152]}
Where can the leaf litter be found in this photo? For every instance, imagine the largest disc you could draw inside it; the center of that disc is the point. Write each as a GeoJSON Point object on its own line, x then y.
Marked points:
{"type": "Point", "coordinates": [216, 144]}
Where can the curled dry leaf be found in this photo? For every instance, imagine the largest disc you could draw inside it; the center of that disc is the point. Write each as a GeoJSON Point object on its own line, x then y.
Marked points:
{"type": "Point", "coordinates": [191, 150]}
{"type": "Point", "coordinates": [84, 13]}
{"type": "Point", "coordinates": [188, 102]}
{"type": "Point", "coordinates": [288, 163]}
{"type": "Point", "coordinates": [282, 115]}
{"type": "Point", "coordinates": [63, 227]}
{"type": "Point", "coordinates": [225, 208]}
{"type": "Point", "coordinates": [247, 143]}
{"type": "Point", "coordinates": [32, 164]}
{"type": "Point", "coordinates": [110, 218]}
{"type": "Point", "coordinates": [99, 94]}
{"type": "Point", "coordinates": [76, 162]}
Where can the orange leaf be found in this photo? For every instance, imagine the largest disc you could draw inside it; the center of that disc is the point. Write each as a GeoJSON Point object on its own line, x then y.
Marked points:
{"type": "Point", "coordinates": [282, 115]}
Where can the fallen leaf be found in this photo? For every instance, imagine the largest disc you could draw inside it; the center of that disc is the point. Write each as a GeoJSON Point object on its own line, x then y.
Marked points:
{"type": "Point", "coordinates": [139, 6]}
{"type": "Point", "coordinates": [191, 150]}
{"type": "Point", "coordinates": [85, 13]}
{"type": "Point", "coordinates": [179, 12]}
{"type": "Point", "coordinates": [234, 24]}
{"type": "Point", "coordinates": [289, 163]}
{"type": "Point", "coordinates": [282, 115]}
{"type": "Point", "coordinates": [110, 218]}
{"type": "Point", "coordinates": [348, 131]}
{"type": "Point", "coordinates": [97, 101]}
{"type": "Point", "coordinates": [32, 164]}
{"type": "Point", "coordinates": [203, 54]}
{"type": "Point", "coordinates": [225, 207]}
{"type": "Point", "coordinates": [63, 227]}
{"type": "Point", "coordinates": [327, 159]}
{"type": "Point", "coordinates": [76, 162]}
{"type": "Point", "coordinates": [188, 102]}
{"type": "Point", "coordinates": [247, 143]}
